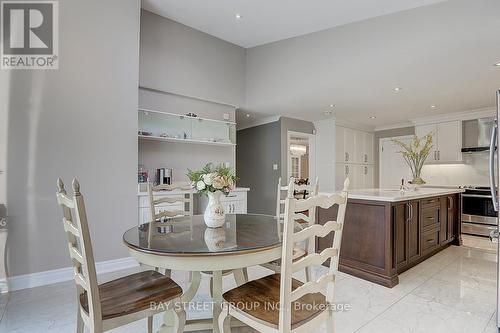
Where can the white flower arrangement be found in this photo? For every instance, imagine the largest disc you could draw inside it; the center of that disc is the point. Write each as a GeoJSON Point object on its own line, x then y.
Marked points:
{"type": "Point", "coordinates": [210, 179]}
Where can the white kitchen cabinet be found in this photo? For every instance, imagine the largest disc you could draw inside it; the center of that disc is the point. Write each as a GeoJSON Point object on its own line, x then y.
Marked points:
{"type": "Point", "coordinates": [360, 176]}
{"type": "Point", "coordinates": [353, 146]}
{"type": "Point", "coordinates": [367, 154]}
{"type": "Point", "coordinates": [367, 176]}
{"type": "Point", "coordinates": [350, 146]}
{"type": "Point", "coordinates": [447, 141]}
{"type": "Point", "coordinates": [354, 152]}
{"type": "Point", "coordinates": [341, 173]}
{"type": "Point", "coordinates": [234, 203]}
{"type": "Point", "coordinates": [340, 156]}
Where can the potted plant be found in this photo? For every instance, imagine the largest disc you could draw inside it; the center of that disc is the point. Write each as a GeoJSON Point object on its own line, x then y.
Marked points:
{"type": "Point", "coordinates": [213, 181]}
{"type": "Point", "coordinates": [415, 153]}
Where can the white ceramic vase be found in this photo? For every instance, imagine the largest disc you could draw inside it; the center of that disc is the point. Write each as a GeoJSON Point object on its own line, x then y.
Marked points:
{"type": "Point", "coordinates": [215, 239]}
{"type": "Point", "coordinates": [214, 216]}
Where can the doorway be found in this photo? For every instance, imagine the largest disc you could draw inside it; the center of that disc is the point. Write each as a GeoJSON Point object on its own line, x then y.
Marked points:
{"type": "Point", "coordinates": [392, 167]}
{"type": "Point", "coordinates": [301, 161]}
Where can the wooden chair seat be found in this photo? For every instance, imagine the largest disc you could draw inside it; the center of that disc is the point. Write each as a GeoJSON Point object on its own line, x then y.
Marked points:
{"type": "Point", "coordinates": [134, 293]}
{"type": "Point", "coordinates": [264, 296]}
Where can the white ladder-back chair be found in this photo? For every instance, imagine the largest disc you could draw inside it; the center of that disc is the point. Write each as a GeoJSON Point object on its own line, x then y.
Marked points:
{"type": "Point", "coordinates": [118, 302]}
{"type": "Point", "coordinates": [164, 216]}
{"type": "Point", "coordinates": [300, 217]}
{"type": "Point", "coordinates": [284, 303]}
{"type": "Point", "coordinates": [183, 198]}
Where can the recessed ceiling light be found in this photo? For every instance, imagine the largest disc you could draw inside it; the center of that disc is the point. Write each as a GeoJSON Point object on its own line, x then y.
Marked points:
{"type": "Point", "coordinates": [397, 89]}
{"type": "Point", "coordinates": [332, 105]}
{"type": "Point", "coordinates": [497, 64]}
{"type": "Point", "coordinates": [373, 117]}
{"type": "Point", "coordinates": [238, 16]}
{"type": "Point", "coordinates": [247, 115]}
{"type": "Point", "coordinates": [433, 106]}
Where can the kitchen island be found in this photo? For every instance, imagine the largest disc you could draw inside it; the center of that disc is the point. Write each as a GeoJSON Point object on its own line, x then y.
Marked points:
{"type": "Point", "coordinates": [389, 231]}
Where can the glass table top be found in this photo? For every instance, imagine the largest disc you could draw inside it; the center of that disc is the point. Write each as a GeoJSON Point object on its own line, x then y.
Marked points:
{"type": "Point", "coordinates": [188, 235]}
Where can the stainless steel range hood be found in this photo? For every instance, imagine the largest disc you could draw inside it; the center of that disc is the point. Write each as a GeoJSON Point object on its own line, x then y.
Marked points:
{"type": "Point", "coordinates": [476, 134]}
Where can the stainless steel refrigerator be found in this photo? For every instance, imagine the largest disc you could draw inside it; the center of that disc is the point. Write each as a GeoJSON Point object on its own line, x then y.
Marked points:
{"type": "Point", "coordinates": [494, 192]}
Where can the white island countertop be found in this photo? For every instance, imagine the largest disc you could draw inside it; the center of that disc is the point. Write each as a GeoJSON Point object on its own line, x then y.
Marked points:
{"type": "Point", "coordinates": [391, 195]}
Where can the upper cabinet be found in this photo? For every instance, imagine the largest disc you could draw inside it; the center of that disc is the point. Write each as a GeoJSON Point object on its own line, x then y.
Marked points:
{"type": "Point", "coordinates": [447, 139]}
{"type": "Point", "coordinates": [353, 146]}
{"type": "Point", "coordinates": [354, 153]}
{"type": "Point", "coordinates": [163, 126]}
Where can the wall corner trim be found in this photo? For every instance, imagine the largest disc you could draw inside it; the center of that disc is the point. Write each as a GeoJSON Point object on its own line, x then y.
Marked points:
{"type": "Point", "coordinates": [38, 279]}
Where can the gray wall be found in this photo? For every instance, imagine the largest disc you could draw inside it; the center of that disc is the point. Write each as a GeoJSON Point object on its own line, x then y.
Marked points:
{"type": "Point", "coordinates": [180, 60]}
{"type": "Point", "coordinates": [295, 125]}
{"type": "Point", "coordinates": [79, 120]}
{"type": "Point", "coordinates": [386, 134]}
{"type": "Point", "coordinates": [183, 60]}
{"type": "Point", "coordinates": [258, 149]}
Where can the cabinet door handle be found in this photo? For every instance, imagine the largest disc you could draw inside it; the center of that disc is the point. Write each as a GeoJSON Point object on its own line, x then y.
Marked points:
{"type": "Point", "coordinates": [439, 154]}
{"type": "Point", "coordinates": [408, 212]}
{"type": "Point", "coordinates": [346, 169]}
{"type": "Point", "coordinates": [366, 170]}
{"type": "Point", "coordinates": [346, 157]}
{"type": "Point", "coordinates": [366, 158]}
{"type": "Point", "coordinates": [451, 202]}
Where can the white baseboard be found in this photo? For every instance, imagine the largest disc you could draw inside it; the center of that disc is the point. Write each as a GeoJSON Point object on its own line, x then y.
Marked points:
{"type": "Point", "coordinates": [64, 274]}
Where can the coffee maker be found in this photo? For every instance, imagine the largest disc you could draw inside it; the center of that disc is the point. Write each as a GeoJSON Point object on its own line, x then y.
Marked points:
{"type": "Point", "coordinates": [164, 176]}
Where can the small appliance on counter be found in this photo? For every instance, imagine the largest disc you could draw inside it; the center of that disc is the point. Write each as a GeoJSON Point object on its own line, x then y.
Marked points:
{"type": "Point", "coordinates": [164, 176]}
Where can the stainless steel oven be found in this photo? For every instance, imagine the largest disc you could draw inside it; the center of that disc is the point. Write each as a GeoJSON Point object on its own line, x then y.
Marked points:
{"type": "Point", "coordinates": [478, 213]}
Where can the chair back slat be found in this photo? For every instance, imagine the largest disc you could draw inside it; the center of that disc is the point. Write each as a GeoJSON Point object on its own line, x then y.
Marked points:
{"type": "Point", "coordinates": [310, 232]}
{"type": "Point", "coordinates": [312, 287]}
{"type": "Point", "coordinates": [184, 199]}
{"type": "Point", "coordinates": [69, 227]}
{"type": "Point", "coordinates": [169, 214]}
{"type": "Point", "coordinates": [323, 201]}
{"type": "Point", "coordinates": [170, 200]}
{"type": "Point", "coordinates": [80, 248]}
{"type": "Point", "coordinates": [317, 230]}
{"type": "Point", "coordinates": [173, 187]}
{"type": "Point", "coordinates": [314, 259]}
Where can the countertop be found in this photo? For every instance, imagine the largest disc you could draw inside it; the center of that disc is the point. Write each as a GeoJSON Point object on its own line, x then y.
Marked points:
{"type": "Point", "coordinates": [390, 195]}
{"type": "Point", "coordinates": [144, 192]}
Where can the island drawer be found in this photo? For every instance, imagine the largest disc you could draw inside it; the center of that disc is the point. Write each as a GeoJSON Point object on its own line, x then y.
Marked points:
{"type": "Point", "coordinates": [429, 203]}
{"type": "Point", "coordinates": [430, 217]}
{"type": "Point", "coordinates": [430, 240]}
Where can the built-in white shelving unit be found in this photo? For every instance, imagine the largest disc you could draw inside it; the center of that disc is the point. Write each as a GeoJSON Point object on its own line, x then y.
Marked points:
{"type": "Point", "coordinates": [171, 127]}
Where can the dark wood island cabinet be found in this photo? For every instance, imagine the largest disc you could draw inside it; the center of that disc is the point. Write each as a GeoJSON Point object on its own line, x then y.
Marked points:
{"type": "Point", "coordinates": [384, 238]}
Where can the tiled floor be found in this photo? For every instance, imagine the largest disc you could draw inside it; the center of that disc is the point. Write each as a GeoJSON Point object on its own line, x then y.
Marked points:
{"type": "Point", "coordinates": [454, 291]}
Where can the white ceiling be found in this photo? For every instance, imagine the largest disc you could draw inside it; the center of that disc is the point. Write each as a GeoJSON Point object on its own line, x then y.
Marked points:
{"type": "Point", "coordinates": [265, 21]}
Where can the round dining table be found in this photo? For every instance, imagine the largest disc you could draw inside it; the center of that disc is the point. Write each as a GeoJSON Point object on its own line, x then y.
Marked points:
{"type": "Point", "coordinates": [187, 244]}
